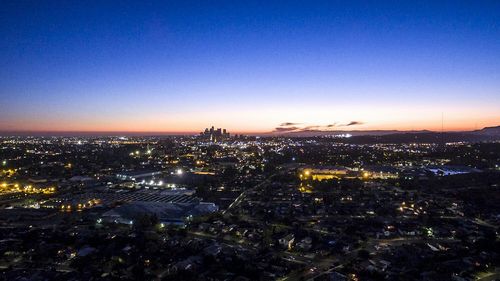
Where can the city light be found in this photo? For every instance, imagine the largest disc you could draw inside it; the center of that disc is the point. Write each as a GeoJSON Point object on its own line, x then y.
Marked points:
{"type": "Point", "coordinates": [245, 140]}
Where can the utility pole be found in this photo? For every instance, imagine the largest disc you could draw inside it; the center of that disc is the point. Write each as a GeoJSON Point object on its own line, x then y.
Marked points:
{"type": "Point", "coordinates": [442, 128]}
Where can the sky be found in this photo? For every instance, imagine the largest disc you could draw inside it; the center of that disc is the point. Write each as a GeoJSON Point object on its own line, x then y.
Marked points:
{"type": "Point", "coordinates": [248, 66]}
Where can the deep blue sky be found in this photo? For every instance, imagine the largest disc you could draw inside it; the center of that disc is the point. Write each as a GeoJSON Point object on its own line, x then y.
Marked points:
{"type": "Point", "coordinates": [248, 65]}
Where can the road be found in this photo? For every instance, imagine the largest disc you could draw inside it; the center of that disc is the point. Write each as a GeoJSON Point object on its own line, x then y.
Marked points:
{"type": "Point", "coordinates": [240, 198]}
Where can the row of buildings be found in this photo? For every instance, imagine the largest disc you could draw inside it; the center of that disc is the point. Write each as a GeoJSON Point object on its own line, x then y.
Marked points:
{"type": "Point", "coordinates": [376, 172]}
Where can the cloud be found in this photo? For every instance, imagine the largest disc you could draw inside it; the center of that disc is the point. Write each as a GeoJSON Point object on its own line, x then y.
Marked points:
{"type": "Point", "coordinates": [352, 123]}
{"type": "Point", "coordinates": [312, 130]}
{"type": "Point", "coordinates": [285, 129]}
{"type": "Point", "coordinates": [331, 125]}
{"type": "Point", "coordinates": [286, 124]}
{"type": "Point", "coordinates": [313, 127]}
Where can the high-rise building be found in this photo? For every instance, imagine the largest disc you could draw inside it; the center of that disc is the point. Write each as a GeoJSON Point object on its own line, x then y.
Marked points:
{"type": "Point", "coordinates": [214, 135]}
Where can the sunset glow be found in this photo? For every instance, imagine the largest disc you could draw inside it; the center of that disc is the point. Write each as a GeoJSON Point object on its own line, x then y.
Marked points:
{"type": "Point", "coordinates": [175, 68]}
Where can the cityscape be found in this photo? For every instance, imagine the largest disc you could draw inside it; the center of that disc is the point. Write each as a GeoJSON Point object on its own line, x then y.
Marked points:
{"type": "Point", "coordinates": [235, 140]}
{"type": "Point", "coordinates": [249, 208]}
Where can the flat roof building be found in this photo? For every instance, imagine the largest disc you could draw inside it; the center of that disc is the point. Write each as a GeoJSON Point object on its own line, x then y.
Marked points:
{"type": "Point", "coordinates": [134, 175]}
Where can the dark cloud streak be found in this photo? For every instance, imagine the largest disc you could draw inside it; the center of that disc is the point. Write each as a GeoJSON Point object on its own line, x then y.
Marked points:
{"type": "Point", "coordinates": [285, 129]}
{"type": "Point", "coordinates": [286, 124]}
{"type": "Point", "coordinates": [352, 123]}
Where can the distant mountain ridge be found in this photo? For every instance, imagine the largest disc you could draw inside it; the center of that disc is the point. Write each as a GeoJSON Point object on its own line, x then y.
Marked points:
{"type": "Point", "coordinates": [487, 134]}
{"type": "Point", "coordinates": [315, 133]}
{"type": "Point", "coordinates": [488, 131]}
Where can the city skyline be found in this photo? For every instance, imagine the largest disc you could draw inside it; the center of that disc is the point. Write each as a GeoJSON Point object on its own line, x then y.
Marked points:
{"type": "Point", "coordinates": [178, 67]}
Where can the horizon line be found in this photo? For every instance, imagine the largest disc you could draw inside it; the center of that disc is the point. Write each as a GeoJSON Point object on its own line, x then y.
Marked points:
{"type": "Point", "coordinates": [192, 133]}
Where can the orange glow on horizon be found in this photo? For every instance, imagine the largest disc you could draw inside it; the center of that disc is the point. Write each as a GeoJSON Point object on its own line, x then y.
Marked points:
{"type": "Point", "coordinates": [265, 120]}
